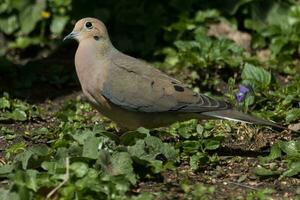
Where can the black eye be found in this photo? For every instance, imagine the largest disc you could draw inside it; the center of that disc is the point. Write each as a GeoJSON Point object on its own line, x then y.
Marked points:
{"type": "Point", "coordinates": [88, 25]}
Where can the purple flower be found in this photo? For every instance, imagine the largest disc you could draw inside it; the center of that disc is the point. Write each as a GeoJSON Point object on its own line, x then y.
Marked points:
{"type": "Point", "coordinates": [241, 94]}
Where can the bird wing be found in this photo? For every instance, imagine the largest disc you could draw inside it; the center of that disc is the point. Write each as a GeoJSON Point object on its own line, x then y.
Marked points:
{"type": "Point", "coordinates": [137, 86]}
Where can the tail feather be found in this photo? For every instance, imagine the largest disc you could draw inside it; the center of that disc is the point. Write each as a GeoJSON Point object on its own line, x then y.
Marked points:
{"type": "Point", "coordinates": [235, 115]}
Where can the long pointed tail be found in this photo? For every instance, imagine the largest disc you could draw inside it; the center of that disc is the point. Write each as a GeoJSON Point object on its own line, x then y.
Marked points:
{"type": "Point", "coordinates": [235, 115]}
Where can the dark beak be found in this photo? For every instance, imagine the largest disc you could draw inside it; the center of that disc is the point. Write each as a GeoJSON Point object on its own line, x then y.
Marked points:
{"type": "Point", "coordinates": [72, 35]}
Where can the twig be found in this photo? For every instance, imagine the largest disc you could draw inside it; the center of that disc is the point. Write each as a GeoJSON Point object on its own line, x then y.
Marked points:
{"type": "Point", "coordinates": [65, 180]}
{"type": "Point", "coordinates": [242, 185]}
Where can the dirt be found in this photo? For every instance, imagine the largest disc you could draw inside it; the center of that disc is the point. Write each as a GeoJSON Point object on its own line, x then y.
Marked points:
{"type": "Point", "coordinates": [225, 30]}
{"type": "Point", "coordinates": [232, 178]}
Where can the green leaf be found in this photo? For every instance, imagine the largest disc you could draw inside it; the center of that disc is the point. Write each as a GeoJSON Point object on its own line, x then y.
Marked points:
{"type": "Point", "coordinates": [51, 167]}
{"type": "Point", "coordinates": [58, 24]}
{"type": "Point", "coordinates": [191, 146]}
{"type": "Point", "coordinates": [122, 164]}
{"type": "Point", "coordinates": [212, 144]}
{"type": "Point", "coordinates": [31, 15]}
{"type": "Point", "coordinates": [79, 168]}
{"type": "Point", "coordinates": [200, 191]}
{"type": "Point", "coordinates": [294, 15]}
{"type": "Point", "coordinates": [130, 137]}
{"type": "Point", "coordinates": [81, 136]}
{"type": "Point", "coordinates": [19, 5]}
{"type": "Point", "coordinates": [291, 148]}
{"type": "Point", "coordinates": [158, 147]}
{"type": "Point", "coordinates": [16, 148]}
{"type": "Point", "coordinates": [143, 196]}
{"type": "Point", "coordinates": [261, 171]}
{"type": "Point", "coordinates": [138, 149]}
{"type": "Point", "coordinates": [40, 150]}
{"type": "Point", "coordinates": [184, 129]}
{"type": "Point", "coordinates": [292, 115]}
{"type": "Point", "coordinates": [31, 179]}
{"type": "Point", "coordinates": [104, 160]}
{"type": "Point", "coordinates": [274, 154]}
{"type": "Point", "coordinates": [24, 158]}
{"type": "Point", "coordinates": [18, 115]}
{"type": "Point", "coordinates": [198, 159]}
{"type": "Point", "coordinates": [294, 169]}
{"type": "Point", "coordinates": [6, 169]}
{"type": "Point", "coordinates": [26, 179]}
{"type": "Point", "coordinates": [89, 182]}
{"type": "Point", "coordinates": [249, 100]}
{"type": "Point", "coordinates": [200, 129]}
{"type": "Point", "coordinates": [201, 16]}
{"type": "Point", "coordinates": [36, 150]}
{"type": "Point", "coordinates": [146, 151]}
{"type": "Point", "coordinates": [6, 194]}
{"type": "Point", "coordinates": [69, 191]}
{"type": "Point", "coordinates": [4, 103]}
{"type": "Point", "coordinates": [9, 25]}
{"type": "Point", "coordinates": [23, 42]}
{"type": "Point", "coordinates": [256, 76]}
{"type": "Point", "coordinates": [90, 147]}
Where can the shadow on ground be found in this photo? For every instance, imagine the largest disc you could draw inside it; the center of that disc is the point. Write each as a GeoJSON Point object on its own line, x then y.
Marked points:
{"type": "Point", "coordinates": [41, 78]}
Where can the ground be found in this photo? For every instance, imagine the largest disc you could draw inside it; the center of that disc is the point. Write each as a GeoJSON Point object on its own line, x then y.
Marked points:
{"type": "Point", "coordinates": [232, 176]}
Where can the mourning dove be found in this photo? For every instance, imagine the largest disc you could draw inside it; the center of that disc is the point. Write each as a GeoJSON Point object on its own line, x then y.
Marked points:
{"type": "Point", "coordinates": [135, 94]}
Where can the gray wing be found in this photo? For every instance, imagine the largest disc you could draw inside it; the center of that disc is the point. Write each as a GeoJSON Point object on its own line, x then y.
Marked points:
{"type": "Point", "coordinates": [136, 86]}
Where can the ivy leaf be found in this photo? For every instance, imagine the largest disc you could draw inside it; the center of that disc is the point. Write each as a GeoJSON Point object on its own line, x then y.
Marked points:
{"type": "Point", "coordinates": [146, 152]}
{"type": "Point", "coordinates": [79, 168]}
{"type": "Point", "coordinates": [6, 169]}
{"type": "Point", "coordinates": [36, 150]}
{"type": "Point", "coordinates": [130, 137]}
{"type": "Point", "coordinates": [7, 194]}
{"type": "Point", "coordinates": [292, 115]}
{"type": "Point", "coordinates": [291, 148]}
{"type": "Point", "coordinates": [294, 169]}
{"type": "Point", "coordinates": [122, 165]}
{"type": "Point", "coordinates": [31, 179]}
{"type": "Point", "coordinates": [24, 158]}
{"type": "Point", "coordinates": [257, 77]}
{"type": "Point", "coordinates": [90, 147]}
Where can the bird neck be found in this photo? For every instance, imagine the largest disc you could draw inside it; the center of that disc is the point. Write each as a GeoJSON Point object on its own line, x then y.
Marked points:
{"type": "Point", "coordinates": [104, 49]}
{"type": "Point", "coordinates": [90, 61]}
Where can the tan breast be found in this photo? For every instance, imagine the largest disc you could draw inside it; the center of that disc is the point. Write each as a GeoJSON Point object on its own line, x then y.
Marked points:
{"type": "Point", "coordinates": [91, 71]}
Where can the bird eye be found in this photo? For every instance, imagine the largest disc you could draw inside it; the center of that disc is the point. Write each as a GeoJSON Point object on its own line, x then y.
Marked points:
{"type": "Point", "coordinates": [89, 25]}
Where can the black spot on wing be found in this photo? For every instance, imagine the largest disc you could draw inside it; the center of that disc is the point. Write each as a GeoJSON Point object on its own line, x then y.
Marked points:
{"type": "Point", "coordinates": [152, 83]}
{"type": "Point", "coordinates": [178, 88]}
{"type": "Point", "coordinates": [178, 107]}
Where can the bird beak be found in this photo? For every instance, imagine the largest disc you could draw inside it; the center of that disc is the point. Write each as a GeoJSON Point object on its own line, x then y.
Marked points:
{"type": "Point", "coordinates": [72, 35]}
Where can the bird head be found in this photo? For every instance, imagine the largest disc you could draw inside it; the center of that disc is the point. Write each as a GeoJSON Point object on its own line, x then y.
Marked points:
{"type": "Point", "coordinates": [89, 28]}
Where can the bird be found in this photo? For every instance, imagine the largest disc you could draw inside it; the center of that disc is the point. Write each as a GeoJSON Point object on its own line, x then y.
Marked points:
{"type": "Point", "coordinates": [135, 94]}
